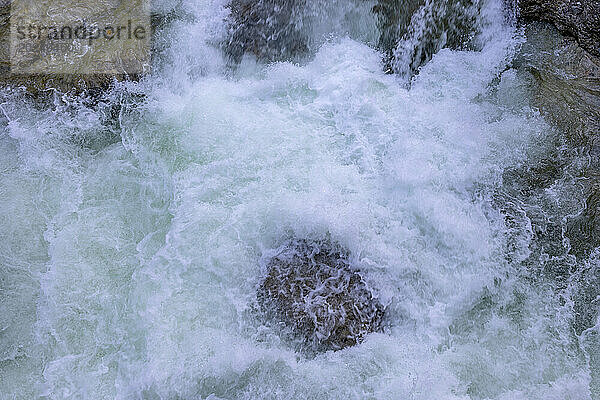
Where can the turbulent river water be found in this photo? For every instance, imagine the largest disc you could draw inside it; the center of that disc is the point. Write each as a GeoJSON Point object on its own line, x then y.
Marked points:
{"type": "Point", "coordinates": [134, 227]}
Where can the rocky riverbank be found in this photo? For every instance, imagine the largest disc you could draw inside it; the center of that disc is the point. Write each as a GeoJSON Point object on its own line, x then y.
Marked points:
{"type": "Point", "coordinates": [563, 83]}
{"type": "Point", "coordinates": [577, 18]}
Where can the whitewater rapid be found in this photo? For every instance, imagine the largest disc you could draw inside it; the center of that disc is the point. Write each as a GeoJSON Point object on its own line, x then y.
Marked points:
{"type": "Point", "coordinates": [132, 232]}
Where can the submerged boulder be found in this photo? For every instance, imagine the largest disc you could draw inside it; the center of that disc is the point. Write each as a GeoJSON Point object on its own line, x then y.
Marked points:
{"type": "Point", "coordinates": [321, 302]}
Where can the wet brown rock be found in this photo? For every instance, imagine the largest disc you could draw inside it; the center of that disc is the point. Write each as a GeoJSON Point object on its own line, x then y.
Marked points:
{"type": "Point", "coordinates": [321, 301]}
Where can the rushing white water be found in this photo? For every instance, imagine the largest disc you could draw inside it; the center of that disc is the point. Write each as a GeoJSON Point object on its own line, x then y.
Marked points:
{"type": "Point", "coordinates": [131, 249]}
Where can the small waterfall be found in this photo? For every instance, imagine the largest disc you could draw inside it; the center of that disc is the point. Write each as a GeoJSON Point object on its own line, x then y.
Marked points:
{"type": "Point", "coordinates": [433, 25]}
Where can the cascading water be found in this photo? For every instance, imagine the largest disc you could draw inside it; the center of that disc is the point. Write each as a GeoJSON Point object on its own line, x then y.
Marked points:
{"type": "Point", "coordinates": [133, 227]}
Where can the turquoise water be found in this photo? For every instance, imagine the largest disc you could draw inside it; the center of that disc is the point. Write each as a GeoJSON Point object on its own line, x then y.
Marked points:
{"type": "Point", "coordinates": [132, 232]}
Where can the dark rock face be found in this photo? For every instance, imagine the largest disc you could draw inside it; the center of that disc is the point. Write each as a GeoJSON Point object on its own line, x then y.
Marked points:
{"type": "Point", "coordinates": [4, 38]}
{"type": "Point", "coordinates": [322, 303]}
{"type": "Point", "coordinates": [269, 29]}
{"type": "Point", "coordinates": [579, 18]}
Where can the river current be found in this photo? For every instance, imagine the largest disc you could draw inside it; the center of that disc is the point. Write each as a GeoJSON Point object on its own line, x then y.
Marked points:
{"type": "Point", "coordinates": [133, 227]}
